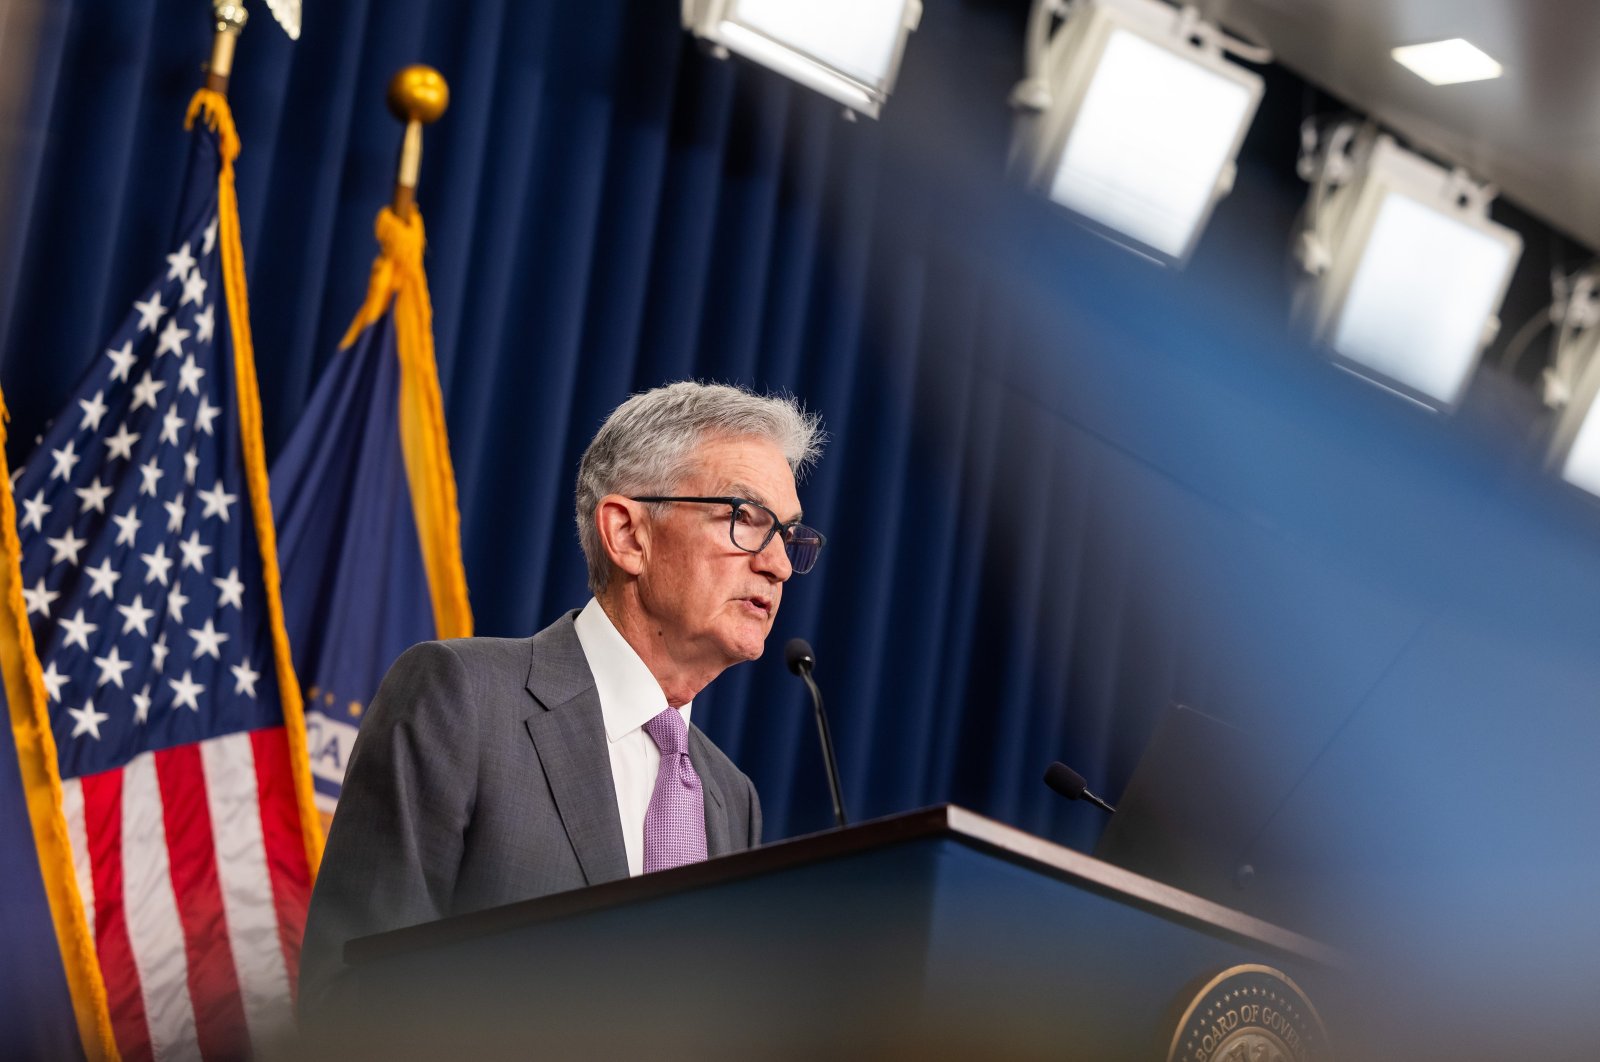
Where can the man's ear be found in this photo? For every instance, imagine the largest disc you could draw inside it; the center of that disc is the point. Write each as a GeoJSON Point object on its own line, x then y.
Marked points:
{"type": "Point", "coordinates": [624, 532]}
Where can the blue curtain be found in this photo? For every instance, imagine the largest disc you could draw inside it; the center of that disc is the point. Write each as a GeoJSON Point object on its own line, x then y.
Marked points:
{"type": "Point", "coordinates": [1064, 488]}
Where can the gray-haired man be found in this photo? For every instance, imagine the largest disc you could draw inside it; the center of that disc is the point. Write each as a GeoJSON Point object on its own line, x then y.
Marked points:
{"type": "Point", "coordinates": [494, 770]}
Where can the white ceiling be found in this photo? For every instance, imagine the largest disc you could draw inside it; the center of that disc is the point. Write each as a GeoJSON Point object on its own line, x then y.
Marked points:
{"type": "Point", "coordinates": [1535, 132]}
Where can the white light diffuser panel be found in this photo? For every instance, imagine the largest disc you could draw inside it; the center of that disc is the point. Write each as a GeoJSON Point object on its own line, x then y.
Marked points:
{"type": "Point", "coordinates": [1575, 445]}
{"type": "Point", "coordinates": [1415, 278]}
{"type": "Point", "coordinates": [1582, 465]}
{"type": "Point", "coordinates": [1144, 126]}
{"type": "Point", "coordinates": [845, 49]}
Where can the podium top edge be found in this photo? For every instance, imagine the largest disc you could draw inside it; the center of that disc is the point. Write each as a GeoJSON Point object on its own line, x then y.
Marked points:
{"type": "Point", "coordinates": [944, 820]}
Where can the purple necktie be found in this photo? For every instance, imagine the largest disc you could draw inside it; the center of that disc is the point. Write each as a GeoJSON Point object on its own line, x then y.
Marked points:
{"type": "Point", "coordinates": [675, 823]}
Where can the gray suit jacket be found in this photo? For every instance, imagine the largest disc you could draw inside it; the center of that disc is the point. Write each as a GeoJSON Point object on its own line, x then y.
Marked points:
{"type": "Point", "coordinates": [481, 777]}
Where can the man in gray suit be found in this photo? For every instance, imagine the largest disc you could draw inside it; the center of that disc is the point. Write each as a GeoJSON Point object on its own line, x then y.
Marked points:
{"type": "Point", "coordinates": [492, 770]}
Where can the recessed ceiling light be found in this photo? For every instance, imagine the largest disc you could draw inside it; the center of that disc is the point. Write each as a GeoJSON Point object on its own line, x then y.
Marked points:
{"type": "Point", "coordinates": [1447, 62]}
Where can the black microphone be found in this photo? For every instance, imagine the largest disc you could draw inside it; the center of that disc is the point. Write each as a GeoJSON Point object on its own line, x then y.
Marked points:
{"type": "Point", "coordinates": [1070, 784]}
{"type": "Point", "coordinates": [798, 655]}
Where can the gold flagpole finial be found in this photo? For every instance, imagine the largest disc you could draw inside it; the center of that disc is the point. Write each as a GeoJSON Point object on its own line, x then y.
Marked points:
{"type": "Point", "coordinates": [418, 95]}
{"type": "Point", "coordinates": [230, 19]}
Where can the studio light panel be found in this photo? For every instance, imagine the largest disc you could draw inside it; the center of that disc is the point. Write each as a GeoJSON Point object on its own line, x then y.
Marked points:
{"type": "Point", "coordinates": [1422, 292]}
{"type": "Point", "coordinates": [1147, 150]}
{"type": "Point", "coordinates": [1142, 126]}
{"type": "Point", "coordinates": [1416, 276]}
{"type": "Point", "coordinates": [848, 50]}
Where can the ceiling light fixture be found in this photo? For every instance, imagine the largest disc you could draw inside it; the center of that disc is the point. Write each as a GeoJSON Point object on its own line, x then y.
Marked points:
{"type": "Point", "coordinates": [1450, 62]}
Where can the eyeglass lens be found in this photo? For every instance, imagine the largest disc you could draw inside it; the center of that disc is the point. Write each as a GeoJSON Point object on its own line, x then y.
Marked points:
{"type": "Point", "coordinates": [752, 524]}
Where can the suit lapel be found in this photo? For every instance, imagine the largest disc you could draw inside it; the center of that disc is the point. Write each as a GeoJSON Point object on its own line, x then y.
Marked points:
{"type": "Point", "coordinates": [569, 736]}
{"type": "Point", "coordinates": [719, 840]}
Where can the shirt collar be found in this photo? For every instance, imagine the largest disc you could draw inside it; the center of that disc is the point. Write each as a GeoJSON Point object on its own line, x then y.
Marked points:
{"type": "Point", "coordinates": [630, 696]}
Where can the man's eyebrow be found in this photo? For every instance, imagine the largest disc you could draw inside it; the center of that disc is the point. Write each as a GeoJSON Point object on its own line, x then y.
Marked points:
{"type": "Point", "coordinates": [743, 490]}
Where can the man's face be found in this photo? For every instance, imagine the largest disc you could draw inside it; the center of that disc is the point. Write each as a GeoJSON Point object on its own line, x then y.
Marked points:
{"type": "Point", "coordinates": [714, 603]}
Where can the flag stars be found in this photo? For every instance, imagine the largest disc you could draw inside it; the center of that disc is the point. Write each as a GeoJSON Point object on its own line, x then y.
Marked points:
{"type": "Point", "coordinates": [93, 410]}
{"type": "Point", "coordinates": [217, 501]}
{"type": "Point", "coordinates": [141, 705]}
{"type": "Point", "coordinates": [179, 263]}
{"type": "Point", "coordinates": [111, 668]}
{"type": "Point", "coordinates": [66, 548]}
{"type": "Point", "coordinates": [171, 341]}
{"type": "Point", "coordinates": [159, 651]}
{"type": "Point", "coordinates": [210, 240]}
{"type": "Point", "coordinates": [191, 465]}
{"type": "Point", "coordinates": [189, 376]}
{"type": "Point", "coordinates": [78, 630]}
{"type": "Point", "coordinates": [122, 360]}
{"type": "Point", "coordinates": [39, 599]}
{"type": "Point", "coordinates": [205, 415]}
{"type": "Point", "coordinates": [150, 313]}
{"type": "Point", "coordinates": [104, 577]}
{"type": "Point", "coordinates": [176, 601]}
{"type": "Point", "coordinates": [128, 525]}
{"type": "Point", "coordinates": [171, 425]}
{"type": "Point", "coordinates": [176, 510]}
{"type": "Point", "coordinates": [244, 679]}
{"type": "Point", "coordinates": [156, 565]}
{"type": "Point", "coordinates": [145, 391]}
{"type": "Point", "coordinates": [93, 496]}
{"type": "Point", "coordinates": [150, 474]}
{"type": "Point", "coordinates": [194, 289]}
{"type": "Point", "coordinates": [194, 551]}
{"type": "Point", "coordinates": [121, 444]}
{"type": "Point", "coordinates": [34, 510]}
{"type": "Point", "coordinates": [64, 458]}
{"type": "Point", "coordinates": [54, 680]}
{"type": "Point", "coordinates": [136, 616]}
{"type": "Point", "coordinates": [230, 591]}
{"type": "Point", "coordinates": [208, 641]}
{"type": "Point", "coordinates": [205, 322]}
{"type": "Point", "coordinates": [186, 692]}
{"type": "Point", "coordinates": [86, 720]}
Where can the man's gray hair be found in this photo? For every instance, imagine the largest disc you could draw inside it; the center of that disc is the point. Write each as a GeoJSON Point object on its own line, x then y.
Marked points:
{"type": "Point", "coordinates": [648, 444]}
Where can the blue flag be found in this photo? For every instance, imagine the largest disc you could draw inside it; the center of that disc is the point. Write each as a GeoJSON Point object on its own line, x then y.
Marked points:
{"type": "Point", "coordinates": [365, 499]}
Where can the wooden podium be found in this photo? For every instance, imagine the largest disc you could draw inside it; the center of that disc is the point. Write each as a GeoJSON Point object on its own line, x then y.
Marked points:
{"type": "Point", "coordinates": [937, 933]}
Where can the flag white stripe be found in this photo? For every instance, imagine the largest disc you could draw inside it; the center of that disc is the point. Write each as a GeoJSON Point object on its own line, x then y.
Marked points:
{"type": "Point", "coordinates": [78, 837]}
{"type": "Point", "coordinates": [154, 928]}
{"type": "Point", "coordinates": [230, 769]}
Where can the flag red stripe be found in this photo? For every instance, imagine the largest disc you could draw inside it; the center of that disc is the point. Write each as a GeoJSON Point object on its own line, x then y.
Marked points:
{"type": "Point", "coordinates": [286, 851]}
{"type": "Point", "coordinates": [213, 983]}
{"type": "Point", "coordinates": [102, 814]}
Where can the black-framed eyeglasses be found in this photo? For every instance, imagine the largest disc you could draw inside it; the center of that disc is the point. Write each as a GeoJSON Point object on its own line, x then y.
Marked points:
{"type": "Point", "coordinates": [752, 525]}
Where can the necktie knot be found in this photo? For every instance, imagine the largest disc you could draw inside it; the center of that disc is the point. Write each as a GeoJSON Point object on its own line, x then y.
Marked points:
{"type": "Point", "coordinates": [669, 732]}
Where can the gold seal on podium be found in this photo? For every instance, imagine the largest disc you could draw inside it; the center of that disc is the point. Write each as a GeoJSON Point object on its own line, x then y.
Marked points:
{"type": "Point", "coordinates": [1250, 1014]}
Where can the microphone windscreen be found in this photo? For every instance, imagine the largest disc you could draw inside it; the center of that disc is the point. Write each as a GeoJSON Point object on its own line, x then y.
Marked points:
{"type": "Point", "coordinates": [1065, 780]}
{"type": "Point", "coordinates": [797, 654]}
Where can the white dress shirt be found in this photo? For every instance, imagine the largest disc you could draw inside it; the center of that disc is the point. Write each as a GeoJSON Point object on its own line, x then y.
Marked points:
{"type": "Point", "coordinates": [629, 698]}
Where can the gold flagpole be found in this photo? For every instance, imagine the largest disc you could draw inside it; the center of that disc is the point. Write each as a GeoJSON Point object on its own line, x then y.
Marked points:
{"type": "Point", "coordinates": [418, 95]}
{"type": "Point", "coordinates": [231, 17]}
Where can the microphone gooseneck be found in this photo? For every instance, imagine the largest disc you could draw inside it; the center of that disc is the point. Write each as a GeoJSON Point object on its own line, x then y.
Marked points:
{"type": "Point", "coordinates": [1071, 784]}
{"type": "Point", "coordinates": [798, 656]}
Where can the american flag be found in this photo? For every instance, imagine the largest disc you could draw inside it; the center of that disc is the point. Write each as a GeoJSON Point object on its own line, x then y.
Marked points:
{"type": "Point", "coordinates": [145, 588]}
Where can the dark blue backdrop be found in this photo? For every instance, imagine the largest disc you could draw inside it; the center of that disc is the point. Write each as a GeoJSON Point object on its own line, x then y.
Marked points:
{"type": "Point", "coordinates": [1065, 488]}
